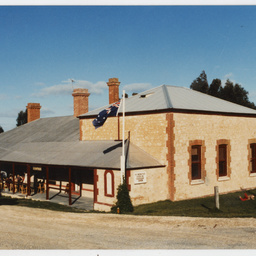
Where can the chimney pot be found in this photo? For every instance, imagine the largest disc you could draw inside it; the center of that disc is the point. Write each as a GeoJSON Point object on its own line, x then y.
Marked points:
{"type": "Point", "coordinates": [113, 85]}
{"type": "Point", "coordinates": [81, 101]}
{"type": "Point", "coordinates": [33, 111]}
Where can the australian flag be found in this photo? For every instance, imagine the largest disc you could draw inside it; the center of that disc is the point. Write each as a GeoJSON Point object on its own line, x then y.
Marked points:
{"type": "Point", "coordinates": [104, 114]}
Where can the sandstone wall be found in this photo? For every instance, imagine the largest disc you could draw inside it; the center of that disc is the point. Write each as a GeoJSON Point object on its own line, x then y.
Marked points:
{"type": "Point", "coordinates": [104, 202]}
{"type": "Point", "coordinates": [153, 189]}
{"type": "Point", "coordinates": [147, 132]}
{"type": "Point", "coordinates": [210, 128]}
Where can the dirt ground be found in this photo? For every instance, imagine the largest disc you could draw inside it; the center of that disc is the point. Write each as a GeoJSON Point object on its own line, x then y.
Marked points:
{"type": "Point", "coordinates": [29, 228]}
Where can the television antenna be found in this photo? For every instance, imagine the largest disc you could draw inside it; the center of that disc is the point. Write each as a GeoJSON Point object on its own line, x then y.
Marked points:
{"type": "Point", "coordinates": [72, 81]}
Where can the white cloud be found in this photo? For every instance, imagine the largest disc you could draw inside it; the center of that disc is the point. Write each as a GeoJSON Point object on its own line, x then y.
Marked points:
{"type": "Point", "coordinates": [97, 88]}
{"type": "Point", "coordinates": [60, 89]}
{"type": "Point", "coordinates": [66, 88]}
{"type": "Point", "coordinates": [228, 77]}
{"type": "Point", "coordinates": [137, 87]}
{"type": "Point", "coordinates": [46, 112]}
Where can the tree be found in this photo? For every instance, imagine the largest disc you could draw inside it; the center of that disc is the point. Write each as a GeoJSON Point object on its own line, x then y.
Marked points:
{"type": "Point", "coordinates": [215, 87]}
{"type": "Point", "coordinates": [123, 204]}
{"type": "Point", "coordinates": [240, 95]}
{"type": "Point", "coordinates": [22, 118]}
{"type": "Point", "coordinates": [230, 92]}
{"type": "Point", "coordinates": [237, 94]}
{"type": "Point", "coordinates": [227, 92]}
{"type": "Point", "coordinates": [1, 129]}
{"type": "Point", "coordinates": [200, 84]}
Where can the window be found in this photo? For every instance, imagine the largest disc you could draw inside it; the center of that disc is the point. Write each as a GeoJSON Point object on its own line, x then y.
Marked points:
{"type": "Point", "coordinates": [222, 160]}
{"type": "Point", "coordinates": [253, 158]}
{"type": "Point", "coordinates": [109, 183]}
{"type": "Point", "coordinates": [196, 162]}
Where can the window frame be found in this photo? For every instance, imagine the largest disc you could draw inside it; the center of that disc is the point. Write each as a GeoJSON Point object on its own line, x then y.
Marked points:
{"type": "Point", "coordinates": [201, 161]}
{"type": "Point", "coordinates": [197, 162]}
{"type": "Point", "coordinates": [106, 183]}
{"type": "Point", "coordinates": [223, 143]}
{"type": "Point", "coordinates": [223, 161]}
{"type": "Point", "coordinates": [252, 171]}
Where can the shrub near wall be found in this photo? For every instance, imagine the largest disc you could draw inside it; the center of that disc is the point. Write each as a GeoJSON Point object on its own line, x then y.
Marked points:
{"type": "Point", "coordinates": [123, 204]}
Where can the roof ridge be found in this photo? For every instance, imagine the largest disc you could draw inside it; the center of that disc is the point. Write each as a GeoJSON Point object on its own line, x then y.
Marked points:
{"type": "Point", "coordinates": [166, 96]}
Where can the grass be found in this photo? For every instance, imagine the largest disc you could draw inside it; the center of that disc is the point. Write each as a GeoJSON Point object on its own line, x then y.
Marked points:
{"type": "Point", "coordinates": [230, 206]}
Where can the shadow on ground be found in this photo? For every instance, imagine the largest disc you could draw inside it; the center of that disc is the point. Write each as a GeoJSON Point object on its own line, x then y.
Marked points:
{"type": "Point", "coordinates": [8, 201]}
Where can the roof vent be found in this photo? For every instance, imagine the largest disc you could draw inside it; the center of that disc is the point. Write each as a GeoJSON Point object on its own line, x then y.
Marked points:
{"type": "Point", "coordinates": [146, 95]}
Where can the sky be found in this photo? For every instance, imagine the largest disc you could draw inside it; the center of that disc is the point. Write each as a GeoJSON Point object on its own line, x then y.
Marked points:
{"type": "Point", "coordinates": [43, 47]}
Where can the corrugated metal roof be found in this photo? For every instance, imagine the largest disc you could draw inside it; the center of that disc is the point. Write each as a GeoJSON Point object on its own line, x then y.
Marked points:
{"type": "Point", "coordinates": [55, 141]}
{"type": "Point", "coordinates": [166, 97]}
{"type": "Point", "coordinates": [91, 154]}
{"type": "Point", "coordinates": [53, 129]}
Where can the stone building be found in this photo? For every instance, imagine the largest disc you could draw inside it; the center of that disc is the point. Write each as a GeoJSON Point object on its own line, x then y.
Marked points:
{"type": "Point", "coordinates": [202, 141]}
{"type": "Point", "coordinates": [180, 144]}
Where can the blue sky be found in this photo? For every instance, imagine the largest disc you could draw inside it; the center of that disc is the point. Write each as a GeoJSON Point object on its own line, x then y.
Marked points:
{"type": "Point", "coordinates": [43, 47]}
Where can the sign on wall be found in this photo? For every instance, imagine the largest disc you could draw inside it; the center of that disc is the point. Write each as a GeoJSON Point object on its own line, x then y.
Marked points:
{"type": "Point", "coordinates": [140, 177]}
{"type": "Point", "coordinates": [37, 168]}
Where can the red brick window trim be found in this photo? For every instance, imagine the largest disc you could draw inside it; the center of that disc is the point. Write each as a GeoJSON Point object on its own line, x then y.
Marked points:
{"type": "Point", "coordinates": [96, 190]}
{"type": "Point", "coordinates": [128, 175]}
{"type": "Point", "coordinates": [109, 183]}
{"type": "Point", "coordinates": [252, 157]}
{"type": "Point", "coordinates": [196, 161]}
{"type": "Point", "coordinates": [223, 159]}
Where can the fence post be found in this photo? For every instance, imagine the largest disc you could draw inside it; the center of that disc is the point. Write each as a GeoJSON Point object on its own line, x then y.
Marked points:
{"type": "Point", "coordinates": [217, 198]}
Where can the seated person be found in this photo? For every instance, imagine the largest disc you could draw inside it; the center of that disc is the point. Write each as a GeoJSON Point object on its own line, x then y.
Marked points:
{"type": "Point", "coordinates": [8, 183]}
{"type": "Point", "coordinates": [19, 181]}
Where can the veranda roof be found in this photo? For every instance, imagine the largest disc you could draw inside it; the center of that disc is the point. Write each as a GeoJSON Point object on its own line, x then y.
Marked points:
{"type": "Point", "coordinates": [55, 141]}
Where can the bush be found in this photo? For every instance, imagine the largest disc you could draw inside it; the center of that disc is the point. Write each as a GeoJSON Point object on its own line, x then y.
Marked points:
{"type": "Point", "coordinates": [123, 204]}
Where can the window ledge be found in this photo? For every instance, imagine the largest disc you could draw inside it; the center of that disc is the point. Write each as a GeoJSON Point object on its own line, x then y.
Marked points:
{"type": "Point", "coordinates": [253, 174]}
{"type": "Point", "coordinates": [223, 178]}
{"type": "Point", "coordinates": [196, 182]}
{"type": "Point", "coordinates": [109, 195]}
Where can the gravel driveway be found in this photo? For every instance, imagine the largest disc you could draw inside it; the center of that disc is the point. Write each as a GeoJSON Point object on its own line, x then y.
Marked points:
{"type": "Point", "coordinates": [29, 228]}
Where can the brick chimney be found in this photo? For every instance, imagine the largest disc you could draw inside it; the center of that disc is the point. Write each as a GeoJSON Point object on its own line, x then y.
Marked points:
{"type": "Point", "coordinates": [81, 101]}
{"type": "Point", "coordinates": [33, 111]}
{"type": "Point", "coordinates": [113, 84]}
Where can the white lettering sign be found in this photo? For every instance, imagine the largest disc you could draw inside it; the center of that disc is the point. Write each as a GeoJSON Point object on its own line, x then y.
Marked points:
{"type": "Point", "coordinates": [140, 177]}
{"type": "Point", "coordinates": [37, 168]}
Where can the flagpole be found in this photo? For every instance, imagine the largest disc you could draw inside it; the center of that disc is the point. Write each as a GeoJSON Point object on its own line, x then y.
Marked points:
{"type": "Point", "coordinates": [123, 141]}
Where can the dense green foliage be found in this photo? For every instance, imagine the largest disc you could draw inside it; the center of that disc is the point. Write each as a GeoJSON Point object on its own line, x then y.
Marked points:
{"type": "Point", "coordinates": [231, 92]}
{"type": "Point", "coordinates": [22, 118]}
{"type": "Point", "coordinates": [200, 84]}
{"type": "Point", "coordinates": [230, 206]}
{"type": "Point", "coordinates": [123, 204]}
